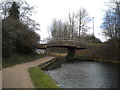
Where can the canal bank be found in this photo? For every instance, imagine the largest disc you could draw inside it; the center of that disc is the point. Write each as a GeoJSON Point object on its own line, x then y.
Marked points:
{"type": "Point", "coordinates": [114, 61]}
{"type": "Point", "coordinates": [39, 78]}
{"type": "Point", "coordinates": [98, 60]}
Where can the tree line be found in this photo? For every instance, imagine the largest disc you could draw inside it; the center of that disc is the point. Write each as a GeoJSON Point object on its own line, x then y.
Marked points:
{"type": "Point", "coordinates": [18, 29]}
{"type": "Point", "coordinates": [76, 26]}
{"type": "Point", "coordinates": [111, 24]}
{"type": "Point", "coordinates": [111, 20]}
{"type": "Point", "coordinates": [110, 49]}
{"type": "Point", "coordinates": [19, 36]}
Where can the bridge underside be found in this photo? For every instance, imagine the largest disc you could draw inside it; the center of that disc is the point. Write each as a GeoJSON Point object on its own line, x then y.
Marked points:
{"type": "Point", "coordinates": [71, 52]}
{"type": "Point", "coordinates": [71, 49]}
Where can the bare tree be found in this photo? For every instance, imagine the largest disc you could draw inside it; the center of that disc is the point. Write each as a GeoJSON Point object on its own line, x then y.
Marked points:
{"type": "Point", "coordinates": [82, 19]}
{"type": "Point", "coordinates": [65, 32]}
{"type": "Point", "coordinates": [60, 30]}
{"type": "Point", "coordinates": [53, 29]}
{"type": "Point", "coordinates": [69, 29]}
{"type": "Point", "coordinates": [5, 6]}
{"type": "Point", "coordinates": [111, 23]}
{"type": "Point", "coordinates": [112, 19]}
{"type": "Point", "coordinates": [72, 25]}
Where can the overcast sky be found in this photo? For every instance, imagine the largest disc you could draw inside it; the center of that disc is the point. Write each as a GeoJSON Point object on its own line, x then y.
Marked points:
{"type": "Point", "coordinates": [47, 10]}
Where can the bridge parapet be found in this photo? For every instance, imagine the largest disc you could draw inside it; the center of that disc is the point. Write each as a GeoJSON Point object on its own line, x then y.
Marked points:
{"type": "Point", "coordinates": [67, 43]}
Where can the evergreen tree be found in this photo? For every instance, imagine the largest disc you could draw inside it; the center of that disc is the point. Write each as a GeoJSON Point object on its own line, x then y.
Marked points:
{"type": "Point", "coordinates": [14, 12]}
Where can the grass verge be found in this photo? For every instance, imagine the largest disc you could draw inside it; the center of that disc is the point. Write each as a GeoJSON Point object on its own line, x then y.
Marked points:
{"type": "Point", "coordinates": [0, 65]}
{"type": "Point", "coordinates": [41, 79]}
{"type": "Point", "coordinates": [17, 59]}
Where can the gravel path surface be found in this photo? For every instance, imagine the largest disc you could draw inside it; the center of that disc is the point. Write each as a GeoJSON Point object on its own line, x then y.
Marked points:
{"type": "Point", "coordinates": [18, 76]}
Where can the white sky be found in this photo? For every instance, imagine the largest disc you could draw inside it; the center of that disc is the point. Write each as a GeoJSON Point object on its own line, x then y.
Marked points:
{"type": "Point", "coordinates": [47, 10]}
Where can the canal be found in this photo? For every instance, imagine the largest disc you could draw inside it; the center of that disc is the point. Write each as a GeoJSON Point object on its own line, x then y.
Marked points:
{"type": "Point", "coordinates": [86, 74]}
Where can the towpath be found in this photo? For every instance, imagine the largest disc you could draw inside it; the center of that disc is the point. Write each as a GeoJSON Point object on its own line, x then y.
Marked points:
{"type": "Point", "coordinates": [18, 75]}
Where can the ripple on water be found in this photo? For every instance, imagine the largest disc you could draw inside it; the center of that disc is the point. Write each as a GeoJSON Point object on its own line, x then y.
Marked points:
{"type": "Point", "coordinates": [86, 74]}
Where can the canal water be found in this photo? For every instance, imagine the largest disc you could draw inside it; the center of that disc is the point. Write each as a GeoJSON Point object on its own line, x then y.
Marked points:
{"type": "Point", "coordinates": [86, 74]}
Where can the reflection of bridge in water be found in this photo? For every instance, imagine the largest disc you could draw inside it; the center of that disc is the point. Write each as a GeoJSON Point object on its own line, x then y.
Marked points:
{"type": "Point", "coordinates": [70, 44]}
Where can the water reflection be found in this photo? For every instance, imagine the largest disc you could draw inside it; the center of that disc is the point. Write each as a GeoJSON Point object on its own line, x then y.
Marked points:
{"type": "Point", "coordinates": [86, 74]}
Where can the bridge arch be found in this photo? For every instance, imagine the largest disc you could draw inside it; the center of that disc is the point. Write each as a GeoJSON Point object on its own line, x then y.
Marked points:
{"type": "Point", "coordinates": [70, 44]}
{"type": "Point", "coordinates": [70, 51]}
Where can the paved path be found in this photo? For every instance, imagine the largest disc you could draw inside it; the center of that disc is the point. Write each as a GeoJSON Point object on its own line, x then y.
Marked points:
{"type": "Point", "coordinates": [18, 76]}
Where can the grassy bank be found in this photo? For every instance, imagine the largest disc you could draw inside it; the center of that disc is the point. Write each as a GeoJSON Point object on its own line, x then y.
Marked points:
{"type": "Point", "coordinates": [0, 64]}
{"type": "Point", "coordinates": [57, 54]}
{"type": "Point", "coordinates": [111, 61]}
{"type": "Point", "coordinates": [94, 58]}
{"type": "Point", "coordinates": [103, 52]}
{"type": "Point", "coordinates": [40, 79]}
{"type": "Point", "coordinates": [97, 60]}
{"type": "Point", "coordinates": [17, 59]}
